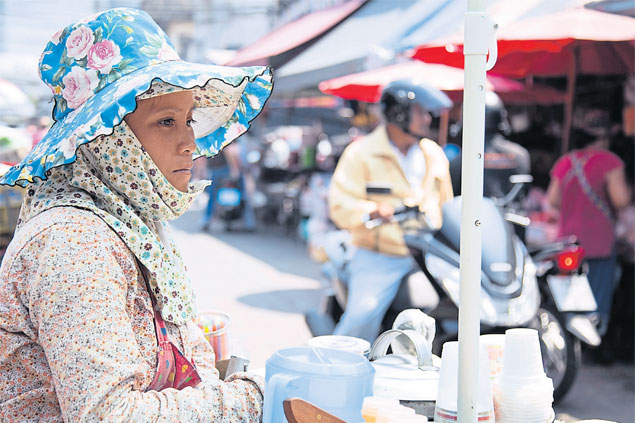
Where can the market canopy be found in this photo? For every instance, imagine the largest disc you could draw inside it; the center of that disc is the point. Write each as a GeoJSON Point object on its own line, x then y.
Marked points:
{"type": "Point", "coordinates": [293, 35]}
{"type": "Point", "coordinates": [381, 30]}
{"type": "Point", "coordinates": [364, 40]}
{"type": "Point", "coordinates": [367, 86]}
{"type": "Point", "coordinates": [602, 44]}
{"type": "Point", "coordinates": [449, 21]}
{"type": "Point", "coordinates": [566, 43]}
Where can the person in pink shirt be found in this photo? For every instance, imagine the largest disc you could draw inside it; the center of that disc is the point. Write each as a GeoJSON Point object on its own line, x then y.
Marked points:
{"type": "Point", "coordinates": [588, 186]}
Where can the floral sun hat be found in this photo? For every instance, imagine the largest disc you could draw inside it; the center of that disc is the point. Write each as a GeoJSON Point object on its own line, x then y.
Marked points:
{"type": "Point", "coordinates": [98, 66]}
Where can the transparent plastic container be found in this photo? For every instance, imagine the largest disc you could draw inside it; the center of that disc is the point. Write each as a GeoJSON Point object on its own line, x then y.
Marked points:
{"type": "Point", "coordinates": [334, 380]}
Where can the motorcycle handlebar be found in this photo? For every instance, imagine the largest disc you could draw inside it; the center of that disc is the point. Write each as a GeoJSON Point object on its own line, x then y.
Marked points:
{"type": "Point", "coordinates": [400, 215]}
{"type": "Point", "coordinates": [518, 182]}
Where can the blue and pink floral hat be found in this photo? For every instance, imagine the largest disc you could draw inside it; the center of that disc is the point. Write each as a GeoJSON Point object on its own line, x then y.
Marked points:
{"type": "Point", "coordinates": [98, 66]}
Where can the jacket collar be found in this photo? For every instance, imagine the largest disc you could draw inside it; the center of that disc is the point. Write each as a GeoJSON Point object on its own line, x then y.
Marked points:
{"type": "Point", "coordinates": [379, 143]}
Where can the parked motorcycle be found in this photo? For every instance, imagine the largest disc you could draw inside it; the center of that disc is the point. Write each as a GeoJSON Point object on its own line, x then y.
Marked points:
{"type": "Point", "coordinates": [546, 289]}
{"type": "Point", "coordinates": [230, 203]}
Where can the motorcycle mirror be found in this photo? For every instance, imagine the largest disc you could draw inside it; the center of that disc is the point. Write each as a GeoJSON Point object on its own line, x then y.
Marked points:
{"type": "Point", "coordinates": [378, 189]}
{"type": "Point", "coordinates": [521, 179]}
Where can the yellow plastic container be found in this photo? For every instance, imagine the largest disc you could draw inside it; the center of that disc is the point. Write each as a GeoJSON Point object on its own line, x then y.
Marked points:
{"type": "Point", "coordinates": [372, 405]}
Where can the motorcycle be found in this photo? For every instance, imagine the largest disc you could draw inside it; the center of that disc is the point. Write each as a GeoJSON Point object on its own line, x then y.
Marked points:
{"type": "Point", "coordinates": [230, 203]}
{"type": "Point", "coordinates": [566, 315]}
{"type": "Point", "coordinates": [546, 288]}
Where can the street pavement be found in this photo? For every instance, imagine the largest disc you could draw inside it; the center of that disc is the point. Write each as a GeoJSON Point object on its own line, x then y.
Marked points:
{"type": "Point", "coordinates": [266, 282]}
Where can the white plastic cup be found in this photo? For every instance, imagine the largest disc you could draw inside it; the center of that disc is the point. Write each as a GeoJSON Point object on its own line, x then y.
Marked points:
{"type": "Point", "coordinates": [524, 394]}
{"type": "Point", "coordinates": [544, 417]}
{"type": "Point", "coordinates": [446, 405]}
{"type": "Point", "coordinates": [522, 360]}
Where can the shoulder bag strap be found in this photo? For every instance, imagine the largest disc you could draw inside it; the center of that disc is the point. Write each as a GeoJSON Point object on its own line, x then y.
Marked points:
{"type": "Point", "coordinates": [578, 171]}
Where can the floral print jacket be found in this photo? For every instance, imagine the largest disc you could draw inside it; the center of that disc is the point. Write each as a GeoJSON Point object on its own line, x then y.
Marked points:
{"type": "Point", "coordinates": [77, 341]}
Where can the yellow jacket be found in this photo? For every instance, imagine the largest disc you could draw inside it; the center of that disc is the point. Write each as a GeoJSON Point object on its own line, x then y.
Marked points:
{"type": "Point", "coordinates": [372, 160]}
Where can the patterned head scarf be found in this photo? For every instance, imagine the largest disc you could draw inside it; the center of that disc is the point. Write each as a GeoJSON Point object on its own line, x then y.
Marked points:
{"type": "Point", "coordinates": [115, 178]}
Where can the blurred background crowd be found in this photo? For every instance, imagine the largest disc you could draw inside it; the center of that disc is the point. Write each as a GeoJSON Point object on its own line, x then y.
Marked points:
{"type": "Point", "coordinates": [331, 59]}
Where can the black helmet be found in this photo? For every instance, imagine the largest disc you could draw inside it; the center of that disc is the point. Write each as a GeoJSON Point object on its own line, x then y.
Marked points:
{"type": "Point", "coordinates": [495, 115]}
{"type": "Point", "coordinates": [398, 96]}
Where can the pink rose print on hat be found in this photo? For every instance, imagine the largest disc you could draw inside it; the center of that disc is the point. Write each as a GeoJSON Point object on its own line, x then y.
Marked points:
{"type": "Point", "coordinates": [79, 42]}
{"type": "Point", "coordinates": [103, 56]}
{"type": "Point", "coordinates": [78, 86]}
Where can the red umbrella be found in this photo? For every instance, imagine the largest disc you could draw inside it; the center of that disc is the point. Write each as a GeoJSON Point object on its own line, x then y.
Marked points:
{"type": "Point", "coordinates": [367, 86]}
{"type": "Point", "coordinates": [603, 44]}
{"type": "Point", "coordinates": [566, 43]}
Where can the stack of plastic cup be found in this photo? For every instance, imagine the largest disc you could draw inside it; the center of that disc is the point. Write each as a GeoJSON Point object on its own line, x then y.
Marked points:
{"type": "Point", "coordinates": [446, 405]}
{"type": "Point", "coordinates": [525, 393]}
{"type": "Point", "coordinates": [495, 345]}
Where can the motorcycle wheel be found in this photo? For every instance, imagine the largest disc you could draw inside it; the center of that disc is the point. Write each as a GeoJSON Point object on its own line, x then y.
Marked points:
{"type": "Point", "coordinates": [561, 352]}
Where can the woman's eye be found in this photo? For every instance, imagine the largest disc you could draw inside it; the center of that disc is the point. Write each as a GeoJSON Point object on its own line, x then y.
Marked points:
{"type": "Point", "coordinates": [166, 122]}
{"type": "Point", "coordinates": [190, 122]}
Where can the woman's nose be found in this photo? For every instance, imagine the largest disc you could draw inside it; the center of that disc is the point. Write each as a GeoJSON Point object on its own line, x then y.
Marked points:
{"type": "Point", "coordinates": [187, 144]}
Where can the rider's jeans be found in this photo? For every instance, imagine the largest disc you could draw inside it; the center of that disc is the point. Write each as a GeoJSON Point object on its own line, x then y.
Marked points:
{"type": "Point", "coordinates": [373, 283]}
{"type": "Point", "coordinates": [602, 281]}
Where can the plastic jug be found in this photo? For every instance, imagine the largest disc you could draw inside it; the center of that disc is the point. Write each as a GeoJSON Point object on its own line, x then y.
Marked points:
{"type": "Point", "coordinates": [336, 381]}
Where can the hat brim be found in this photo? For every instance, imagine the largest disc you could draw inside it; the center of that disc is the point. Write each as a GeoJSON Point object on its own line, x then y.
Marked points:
{"type": "Point", "coordinates": [248, 87]}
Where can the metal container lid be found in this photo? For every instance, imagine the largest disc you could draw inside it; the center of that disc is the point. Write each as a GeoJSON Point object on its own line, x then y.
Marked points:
{"type": "Point", "coordinates": [403, 376]}
{"type": "Point", "coordinates": [398, 376]}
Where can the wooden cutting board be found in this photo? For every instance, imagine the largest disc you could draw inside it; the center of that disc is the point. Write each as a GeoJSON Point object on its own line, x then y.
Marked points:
{"type": "Point", "coordinates": [297, 410]}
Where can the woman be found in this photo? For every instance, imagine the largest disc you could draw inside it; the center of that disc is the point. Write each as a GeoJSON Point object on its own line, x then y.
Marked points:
{"type": "Point", "coordinates": [95, 305]}
{"type": "Point", "coordinates": [588, 187]}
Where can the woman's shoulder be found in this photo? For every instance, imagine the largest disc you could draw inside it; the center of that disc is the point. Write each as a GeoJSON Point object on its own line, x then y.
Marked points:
{"type": "Point", "coordinates": [562, 162]}
{"type": "Point", "coordinates": [608, 158]}
{"type": "Point", "coordinates": [59, 224]}
{"type": "Point", "coordinates": [58, 218]}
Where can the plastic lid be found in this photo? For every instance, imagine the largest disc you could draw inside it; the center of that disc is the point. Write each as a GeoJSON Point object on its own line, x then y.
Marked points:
{"type": "Point", "coordinates": [320, 362]}
{"type": "Point", "coordinates": [346, 343]}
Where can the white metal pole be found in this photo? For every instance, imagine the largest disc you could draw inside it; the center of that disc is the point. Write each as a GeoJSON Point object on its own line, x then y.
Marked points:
{"type": "Point", "coordinates": [478, 38]}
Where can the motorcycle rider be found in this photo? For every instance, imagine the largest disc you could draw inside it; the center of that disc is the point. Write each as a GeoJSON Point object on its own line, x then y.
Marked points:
{"type": "Point", "coordinates": [502, 157]}
{"type": "Point", "coordinates": [228, 166]}
{"type": "Point", "coordinates": [396, 155]}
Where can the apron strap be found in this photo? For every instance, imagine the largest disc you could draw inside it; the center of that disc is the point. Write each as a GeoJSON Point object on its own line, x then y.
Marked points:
{"type": "Point", "coordinates": [159, 323]}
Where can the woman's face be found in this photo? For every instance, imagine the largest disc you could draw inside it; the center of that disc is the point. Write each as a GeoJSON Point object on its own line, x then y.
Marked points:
{"type": "Point", "coordinates": [163, 125]}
